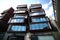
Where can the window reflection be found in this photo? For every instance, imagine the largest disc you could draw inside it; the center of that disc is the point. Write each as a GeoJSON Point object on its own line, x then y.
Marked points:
{"type": "Point", "coordinates": [37, 6]}
{"type": "Point", "coordinates": [17, 20]}
{"type": "Point", "coordinates": [39, 19]}
{"type": "Point", "coordinates": [18, 16]}
{"type": "Point", "coordinates": [18, 28]}
{"type": "Point", "coordinates": [18, 11]}
{"type": "Point", "coordinates": [36, 13]}
{"type": "Point", "coordinates": [38, 26]}
{"type": "Point", "coordinates": [42, 38]}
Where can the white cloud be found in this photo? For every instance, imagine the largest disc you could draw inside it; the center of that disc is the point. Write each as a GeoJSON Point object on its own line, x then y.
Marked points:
{"type": "Point", "coordinates": [13, 3]}
{"type": "Point", "coordinates": [5, 4]}
{"type": "Point", "coordinates": [48, 9]}
{"type": "Point", "coordinates": [50, 2]}
{"type": "Point", "coordinates": [45, 6]}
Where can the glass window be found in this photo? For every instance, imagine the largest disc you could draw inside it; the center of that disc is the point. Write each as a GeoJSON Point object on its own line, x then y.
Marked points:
{"type": "Point", "coordinates": [39, 19]}
{"type": "Point", "coordinates": [18, 28]}
{"type": "Point", "coordinates": [42, 38]}
{"type": "Point", "coordinates": [38, 26]}
{"type": "Point", "coordinates": [17, 20]}
{"type": "Point", "coordinates": [18, 16]}
{"type": "Point", "coordinates": [0, 17]}
{"type": "Point", "coordinates": [37, 13]}
{"type": "Point", "coordinates": [36, 6]}
{"type": "Point", "coordinates": [18, 11]}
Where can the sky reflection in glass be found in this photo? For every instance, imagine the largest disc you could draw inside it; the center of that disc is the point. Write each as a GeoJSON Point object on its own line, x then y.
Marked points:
{"type": "Point", "coordinates": [39, 19]}
{"type": "Point", "coordinates": [18, 28]}
{"type": "Point", "coordinates": [38, 26]}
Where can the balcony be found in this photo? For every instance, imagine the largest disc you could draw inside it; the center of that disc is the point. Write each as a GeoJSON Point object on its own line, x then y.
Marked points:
{"type": "Point", "coordinates": [36, 13]}
{"type": "Point", "coordinates": [35, 6]}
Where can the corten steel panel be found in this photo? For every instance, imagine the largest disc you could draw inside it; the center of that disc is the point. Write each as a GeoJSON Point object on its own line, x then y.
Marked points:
{"type": "Point", "coordinates": [9, 11]}
{"type": "Point", "coordinates": [7, 17]}
{"type": "Point", "coordinates": [3, 26]}
{"type": "Point", "coordinates": [4, 21]}
{"type": "Point", "coordinates": [7, 14]}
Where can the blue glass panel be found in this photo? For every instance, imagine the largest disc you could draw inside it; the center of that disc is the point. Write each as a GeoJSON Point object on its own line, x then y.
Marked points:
{"type": "Point", "coordinates": [37, 13]}
{"type": "Point", "coordinates": [39, 19]}
{"type": "Point", "coordinates": [38, 26]}
{"type": "Point", "coordinates": [17, 20]}
{"type": "Point", "coordinates": [18, 28]}
{"type": "Point", "coordinates": [45, 38]}
{"type": "Point", "coordinates": [42, 38]}
{"type": "Point", "coordinates": [18, 16]}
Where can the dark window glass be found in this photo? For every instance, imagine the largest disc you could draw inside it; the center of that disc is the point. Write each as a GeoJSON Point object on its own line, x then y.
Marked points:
{"type": "Point", "coordinates": [1, 36]}
{"type": "Point", "coordinates": [39, 19]}
{"type": "Point", "coordinates": [18, 28]}
{"type": "Point", "coordinates": [38, 26]}
{"type": "Point", "coordinates": [16, 38]}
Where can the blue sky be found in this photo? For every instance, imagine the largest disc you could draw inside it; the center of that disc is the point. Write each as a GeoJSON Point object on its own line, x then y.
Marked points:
{"type": "Point", "coordinates": [46, 5]}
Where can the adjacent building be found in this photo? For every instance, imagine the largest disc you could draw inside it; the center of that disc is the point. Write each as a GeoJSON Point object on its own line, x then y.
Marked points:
{"type": "Point", "coordinates": [56, 6]}
{"type": "Point", "coordinates": [6, 15]}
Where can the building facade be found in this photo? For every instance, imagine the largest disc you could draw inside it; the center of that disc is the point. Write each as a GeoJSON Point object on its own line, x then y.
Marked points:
{"type": "Point", "coordinates": [56, 7]}
{"type": "Point", "coordinates": [6, 15]}
{"type": "Point", "coordinates": [30, 24]}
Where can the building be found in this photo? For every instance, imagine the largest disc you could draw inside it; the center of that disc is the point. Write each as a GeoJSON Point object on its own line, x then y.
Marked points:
{"type": "Point", "coordinates": [17, 24]}
{"type": "Point", "coordinates": [29, 24]}
{"type": "Point", "coordinates": [56, 6]}
{"type": "Point", "coordinates": [6, 15]}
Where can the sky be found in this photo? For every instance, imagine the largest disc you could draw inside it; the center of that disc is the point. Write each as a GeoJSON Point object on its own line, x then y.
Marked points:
{"type": "Point", "coordinates": [46, 5]}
